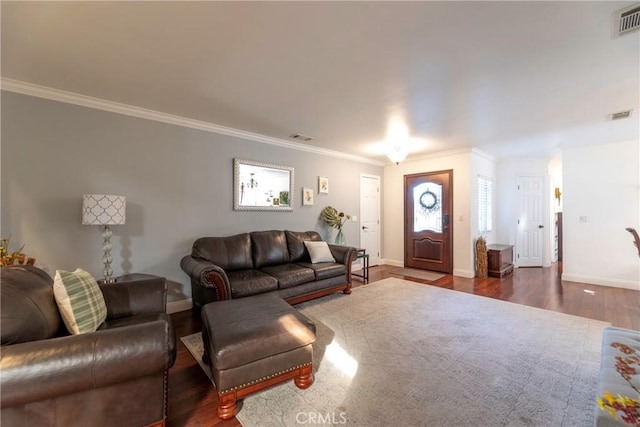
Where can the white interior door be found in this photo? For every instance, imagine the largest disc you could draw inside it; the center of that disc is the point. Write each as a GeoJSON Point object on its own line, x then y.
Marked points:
{"type": "Point", "coordinates": [531, 222]}
{"type": "Point", "coordinates": [370, 217]}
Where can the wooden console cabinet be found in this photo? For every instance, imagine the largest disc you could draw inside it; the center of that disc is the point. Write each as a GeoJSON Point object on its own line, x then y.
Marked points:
{"type": "Point", "coordinates": [500, 260]}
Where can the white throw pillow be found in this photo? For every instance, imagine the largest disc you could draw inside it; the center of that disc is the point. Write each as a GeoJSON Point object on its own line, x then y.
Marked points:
{"type": "Point", "coordinates": [79, 300]}
{"type": "Point", "coordinates": [319, 251]}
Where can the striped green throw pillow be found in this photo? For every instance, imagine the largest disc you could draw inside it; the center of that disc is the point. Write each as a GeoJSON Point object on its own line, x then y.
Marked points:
{"type": "Point", "coordinates": [79, 300]}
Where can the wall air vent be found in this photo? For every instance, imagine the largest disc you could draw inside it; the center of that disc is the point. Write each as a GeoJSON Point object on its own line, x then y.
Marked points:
{"type": "Point", "coordinates": [300, 137]}
{"type": "Point", "coordinates": [621, 115]}
{"type": "Point", "coordinates": [629, 20]}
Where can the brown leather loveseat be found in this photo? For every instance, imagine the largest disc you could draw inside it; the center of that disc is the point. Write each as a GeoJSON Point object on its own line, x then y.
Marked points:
{"type": "Point", "coordinates": [116, 376]}
{"type": "Point", "coordinates": [223, 268]}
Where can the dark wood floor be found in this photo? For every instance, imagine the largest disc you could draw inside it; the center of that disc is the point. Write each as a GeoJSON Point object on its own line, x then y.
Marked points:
{"type": "Point", "coordinates": [192, 401]}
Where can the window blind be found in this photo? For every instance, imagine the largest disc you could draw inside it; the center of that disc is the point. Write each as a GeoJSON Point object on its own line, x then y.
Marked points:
{"type": "Point", "coordinates": [484, 204]}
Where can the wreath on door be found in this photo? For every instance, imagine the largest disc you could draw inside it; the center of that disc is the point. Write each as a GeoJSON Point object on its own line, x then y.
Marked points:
{"type": "Point", "coordinates": [428, 201]}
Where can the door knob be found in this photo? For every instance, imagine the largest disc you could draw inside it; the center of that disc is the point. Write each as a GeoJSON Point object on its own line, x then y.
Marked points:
{"type": "Point", "coordinates": [541, 226]}
{"type": "Point", "coordinates": [364, 227]}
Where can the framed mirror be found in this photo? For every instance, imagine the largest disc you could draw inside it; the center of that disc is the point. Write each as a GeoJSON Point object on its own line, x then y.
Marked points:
{"type": "Point", "coordinates": [262, 186]}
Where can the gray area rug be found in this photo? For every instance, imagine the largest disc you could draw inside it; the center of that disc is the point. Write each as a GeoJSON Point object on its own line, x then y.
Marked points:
{"type": "Point", "coordinates": [418, 274]}
{"type": "Point", "coordinates": [398, 353]}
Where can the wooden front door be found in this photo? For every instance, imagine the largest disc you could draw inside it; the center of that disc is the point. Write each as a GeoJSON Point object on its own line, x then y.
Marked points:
{"type": "Point", "coordinates": [428, 229]}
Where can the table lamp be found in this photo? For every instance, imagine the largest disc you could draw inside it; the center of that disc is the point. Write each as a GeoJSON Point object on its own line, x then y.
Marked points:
{"type": "Point", "coordinates": [102, 209]}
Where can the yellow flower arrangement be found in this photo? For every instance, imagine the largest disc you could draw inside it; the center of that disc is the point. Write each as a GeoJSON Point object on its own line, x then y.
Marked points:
{"type": "Point", "coordinates": [628, 407]}
{"type": "Point", "coordinates": [9, 258]}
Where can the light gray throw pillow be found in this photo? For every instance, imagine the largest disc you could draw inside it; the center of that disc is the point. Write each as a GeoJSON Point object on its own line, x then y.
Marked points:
{"type": "Point", "coordinates": [319, 252]}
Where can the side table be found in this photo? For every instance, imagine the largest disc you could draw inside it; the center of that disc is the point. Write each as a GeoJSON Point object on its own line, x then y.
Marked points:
{"type": "Point", "coordinates": [500, 260]}
{"type": "Point", "coordinates": [362, 254]}
{"type": "Point", "coordinates": [146, 294]}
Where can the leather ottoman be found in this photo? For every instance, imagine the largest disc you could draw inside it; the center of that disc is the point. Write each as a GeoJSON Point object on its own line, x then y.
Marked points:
{"type": "Point", "coordinates": [254, 343]}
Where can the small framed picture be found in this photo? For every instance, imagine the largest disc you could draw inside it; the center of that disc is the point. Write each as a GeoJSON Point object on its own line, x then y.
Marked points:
{"type": "Point", "coordinates": [307, 197]}
{"type": "Point", "coordinates": [323, 185]}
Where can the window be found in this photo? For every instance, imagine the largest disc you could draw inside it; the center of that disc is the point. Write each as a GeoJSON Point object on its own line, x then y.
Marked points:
{"type": "Point", "coordinates": [427, 210]}
{"type": "Point", "coordinates": [484, 204]}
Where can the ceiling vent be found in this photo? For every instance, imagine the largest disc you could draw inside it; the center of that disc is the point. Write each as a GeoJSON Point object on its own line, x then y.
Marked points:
{"type": "Point", "coordinates": [621, 115]}
{"type": "Point", "coordinates": [301, 137]}
{"type": "Point", "coordinates": [628, 19]}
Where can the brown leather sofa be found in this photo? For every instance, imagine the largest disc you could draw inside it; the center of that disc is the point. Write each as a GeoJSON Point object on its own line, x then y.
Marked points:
{"type": "Point", "coordinates": [223, 268]}
{"type": "Point", "coordinates": [114, 376]}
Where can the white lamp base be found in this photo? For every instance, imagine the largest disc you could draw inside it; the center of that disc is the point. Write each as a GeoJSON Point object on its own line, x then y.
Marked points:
{"type": "Point", "coordinates": [107, 259]}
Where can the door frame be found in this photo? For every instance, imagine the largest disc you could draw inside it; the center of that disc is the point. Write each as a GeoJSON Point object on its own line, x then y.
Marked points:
{"type": "Point", "coordinates": [379, 242]}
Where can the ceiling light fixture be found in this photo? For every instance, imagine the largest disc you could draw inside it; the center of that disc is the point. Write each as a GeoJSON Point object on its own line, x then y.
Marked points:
{"type": "Point", "coordinates": [397, 139]}
{"type": "Point", "coordinates": [397, 154]}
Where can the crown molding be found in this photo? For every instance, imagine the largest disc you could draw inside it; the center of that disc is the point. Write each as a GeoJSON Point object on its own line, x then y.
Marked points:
{"type": "Point", "coordinates": [484, 154]}
{"type": "Point", "coordinates": [31, 89]}
{"type": "Point", "coordinates": [436, 154]}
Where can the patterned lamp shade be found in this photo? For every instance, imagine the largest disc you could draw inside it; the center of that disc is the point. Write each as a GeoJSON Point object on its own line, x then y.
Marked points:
{"type": "Point", "coordinates": [102, 209]}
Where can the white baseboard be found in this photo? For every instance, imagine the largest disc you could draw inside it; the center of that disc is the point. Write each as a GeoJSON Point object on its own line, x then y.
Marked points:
{"type": "Point", "coordinates": [180, 305]}
{"type": "Point", "coordinates": [392, 262]}
{"type": "Point", "coordinates": [464, 273]}
{"type": "Point", "coordinates": [602, 281]}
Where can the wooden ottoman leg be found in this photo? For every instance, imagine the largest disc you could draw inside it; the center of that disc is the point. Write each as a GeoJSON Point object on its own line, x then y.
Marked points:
{"type": "Point", "coordinates": [306, 377]}
{"type": "Point", "coordinates": [227, 405]}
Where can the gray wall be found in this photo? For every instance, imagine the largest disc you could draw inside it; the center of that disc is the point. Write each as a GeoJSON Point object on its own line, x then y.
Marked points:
{"type": "Point", "coordinates": [178, 184]}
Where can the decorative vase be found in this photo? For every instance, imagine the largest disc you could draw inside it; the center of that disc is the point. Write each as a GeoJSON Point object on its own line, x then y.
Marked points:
{"type": "Point", "coordinates": [481, 258]}
{"type": "Point", "coordinates": [340, 240]}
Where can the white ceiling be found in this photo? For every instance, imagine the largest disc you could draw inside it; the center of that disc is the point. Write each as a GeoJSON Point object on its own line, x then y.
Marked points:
{"type": "Point", "coordinates": [514, 79]}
